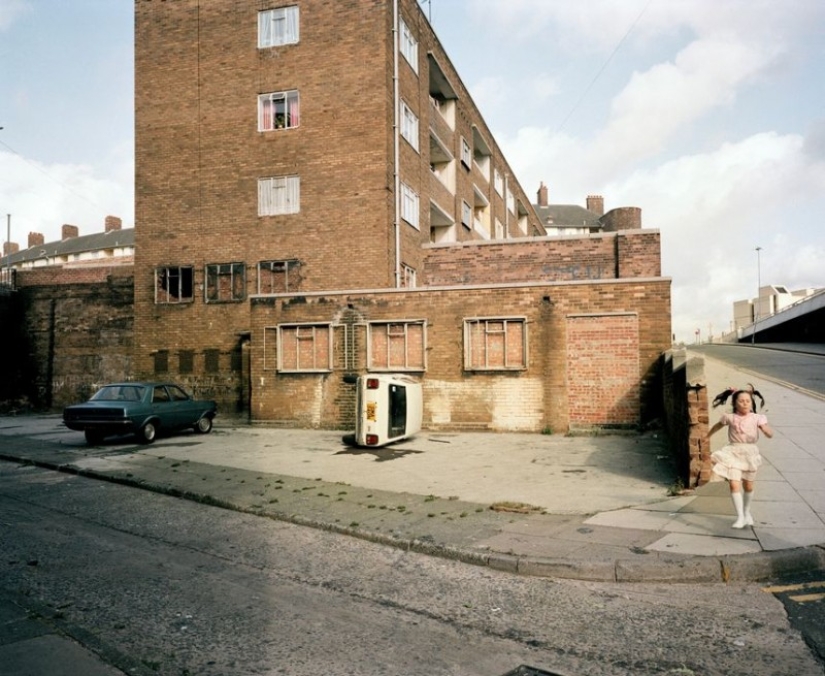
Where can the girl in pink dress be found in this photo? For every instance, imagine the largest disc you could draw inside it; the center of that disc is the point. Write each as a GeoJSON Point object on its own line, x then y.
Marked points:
{"type": "Point", "coordinates": [739, 459]}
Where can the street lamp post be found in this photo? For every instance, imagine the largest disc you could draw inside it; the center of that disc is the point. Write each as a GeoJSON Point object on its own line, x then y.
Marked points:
{"type": "Point", "coordinates": [758, 293]}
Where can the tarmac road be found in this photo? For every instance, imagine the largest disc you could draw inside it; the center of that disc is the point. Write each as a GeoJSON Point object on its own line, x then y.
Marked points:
{"type": "Point", "coordinates": [801, 366]}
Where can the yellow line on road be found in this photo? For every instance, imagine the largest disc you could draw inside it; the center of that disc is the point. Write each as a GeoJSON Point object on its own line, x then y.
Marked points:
{"type": "Point", "coordinates": [781, 589]}
{"type": "Point", "coordinates": [805, 598]}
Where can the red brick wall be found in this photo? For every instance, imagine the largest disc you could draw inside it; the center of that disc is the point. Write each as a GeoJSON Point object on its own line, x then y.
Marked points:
{"type": "Point", "coordinates": [603, 370]}
{"type": "Point", "coordinates": [632, 254]}
{"type": "Point", "coordinates": [531, 399]}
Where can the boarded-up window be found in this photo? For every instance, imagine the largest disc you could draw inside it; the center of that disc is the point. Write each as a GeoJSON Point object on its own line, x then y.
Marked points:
{"type": "Point", "coordinates": [304, 347]}
{"type": "Point", "coordinates": [603, 370]}
{"type": "Point", "coordinates": [397, 346]}
{"type": "Point", "coordinates": [225, 282]}
{"type": "Point", "coordinates": [161, 361]}
{"type": "Point", "coordinates": [186, 361]}
{"type": "Point", "coordinates": [495, 344]}
{"type": "Point", "coordinates": [278, 276]}
{"type": "Point", "coordinates": [212, 361]}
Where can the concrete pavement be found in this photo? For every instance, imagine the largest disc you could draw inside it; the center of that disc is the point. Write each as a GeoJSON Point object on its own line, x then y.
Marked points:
{"type": "Point", "coordinates": [584, 507]}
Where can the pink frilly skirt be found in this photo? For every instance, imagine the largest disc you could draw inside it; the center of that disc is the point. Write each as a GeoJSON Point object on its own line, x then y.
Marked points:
{"type": "Point", "coordinates": [736, 462]}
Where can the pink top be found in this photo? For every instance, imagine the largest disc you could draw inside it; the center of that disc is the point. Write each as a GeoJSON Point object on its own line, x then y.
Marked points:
{"type": "Point", "coordinates": [743, 429]}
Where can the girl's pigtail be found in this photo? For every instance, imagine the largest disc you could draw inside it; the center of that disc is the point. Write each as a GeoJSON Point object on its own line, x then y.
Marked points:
{"type": "Point", "coordinates": [722, 397]}
{"type": "Point", "coordinates": [755, 393]}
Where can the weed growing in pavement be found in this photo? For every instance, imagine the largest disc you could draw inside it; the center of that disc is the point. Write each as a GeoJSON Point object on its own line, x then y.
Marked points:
{"type": "Point", "coordinates": [517, 507]}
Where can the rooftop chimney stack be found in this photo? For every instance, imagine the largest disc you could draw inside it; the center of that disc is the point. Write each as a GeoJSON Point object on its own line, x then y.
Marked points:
{"type": "Point", "coordinates": [113, 223]}
{"type": "Point", "coordinates": [10, 248]}
{"type": "Point", "coordinates": [69, 231]}
{"type": "Point", "coordinates": [595, 203]}
{"type": "Point", "coordinates": [542, 195]}
{"type": "Point", "coordinates": [35, 239]}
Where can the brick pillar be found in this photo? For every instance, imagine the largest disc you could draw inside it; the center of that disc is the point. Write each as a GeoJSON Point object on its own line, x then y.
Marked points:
{"type": "Point", "coordinates": [542, 195]}
{"type": "Point", "coordinates": [595, 203]}
{"type": "Point", "coordinates": [69, 231]}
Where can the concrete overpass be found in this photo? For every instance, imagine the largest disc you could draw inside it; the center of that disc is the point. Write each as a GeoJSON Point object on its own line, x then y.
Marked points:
{"type": "Point", "coordinates": [802, 322]}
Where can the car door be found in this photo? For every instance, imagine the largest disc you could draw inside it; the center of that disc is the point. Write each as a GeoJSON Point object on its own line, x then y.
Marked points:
{"type": "Point", "coordinates": [183, 407]}
{"type": "Point", "coordinates": [162, 406]}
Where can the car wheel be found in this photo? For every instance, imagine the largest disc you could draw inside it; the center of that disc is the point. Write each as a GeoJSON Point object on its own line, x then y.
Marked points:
{"type": "Point", "coordinates": [147, 433]}
{"type": "Point", "coordinates": [93, 438]}
{"type": "Point", "coordinates": [204, 425]}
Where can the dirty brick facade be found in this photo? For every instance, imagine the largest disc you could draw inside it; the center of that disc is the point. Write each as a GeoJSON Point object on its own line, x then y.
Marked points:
{"type": "Point", "coordinates": [317, 195]}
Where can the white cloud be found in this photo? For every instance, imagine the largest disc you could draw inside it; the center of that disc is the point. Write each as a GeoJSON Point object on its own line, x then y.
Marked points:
{"type": "Point", "coordinates": [714, 209]}
{"type": "Point", "coordinates": [41, 198]}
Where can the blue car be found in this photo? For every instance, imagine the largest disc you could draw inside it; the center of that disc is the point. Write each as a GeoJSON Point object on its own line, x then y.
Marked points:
{"type": "Point", "coordinates": [142, 409]}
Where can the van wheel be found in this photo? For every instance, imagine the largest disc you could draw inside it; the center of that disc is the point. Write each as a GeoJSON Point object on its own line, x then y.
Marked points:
{"type": "Point", "coordinates": [147, 433]}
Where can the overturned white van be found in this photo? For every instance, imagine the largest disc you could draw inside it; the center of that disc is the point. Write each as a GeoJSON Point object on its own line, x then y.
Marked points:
{"type": "Point", "coordinates": [388, 408]}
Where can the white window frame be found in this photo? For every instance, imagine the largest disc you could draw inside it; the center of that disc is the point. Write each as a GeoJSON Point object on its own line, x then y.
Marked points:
{"type": "Point", "coordinates": [214, 292]}
{"type": "Point", "coordinates": [408, 45]}
{"type": "Point", "coordinates": [181, 277]}
{"type": "Point", "coordinates": [409, 125]}
{"type": "Point", "coordinates": [486, 324]}
{"type": "Point", "coordinates": [270, 268]}
{"type": "Point", "coordinates": [466, 153]}
{"type": "Point", "coordinates": [466, 214]}
{"type": "Point", "coordinates": [291, 113]}
{"type": "Point", "coordinates": [397, 331]}
{"type": "Point", "coordinates": [511, 201]}
{"type": "Point", "coordinates": [498, 182]}
{"type": "Point", "coordinates": [321, 361]}
{"type": "Point", "coordinates": [410, 206]}
{"type": "Point", "coordinates": [279, 26]}
{"type": "Point", "coordinates": [278, 195]}
{"type": "Point", "coordinates": [409, 278]}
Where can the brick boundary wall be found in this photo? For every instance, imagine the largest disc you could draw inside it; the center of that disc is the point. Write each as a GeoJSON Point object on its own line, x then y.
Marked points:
{"type": "Point", "coordinates": [622, 255]}
{"type": "Point", "coordinates": [685, 400]}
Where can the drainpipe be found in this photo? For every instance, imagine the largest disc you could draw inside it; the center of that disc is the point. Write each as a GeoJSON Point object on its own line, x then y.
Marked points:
{"type": "Point", "coordinates": [396, 145]}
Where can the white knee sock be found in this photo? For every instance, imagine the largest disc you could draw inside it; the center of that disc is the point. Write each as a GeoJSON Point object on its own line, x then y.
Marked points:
{"type": "Point", "coordinates": [746, 504]}
{"type": "Point", "coordinates": [740, 509]}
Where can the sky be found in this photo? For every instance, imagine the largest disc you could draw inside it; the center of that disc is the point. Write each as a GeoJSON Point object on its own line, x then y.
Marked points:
{"type": "Point", "coordinates": [709, 115]}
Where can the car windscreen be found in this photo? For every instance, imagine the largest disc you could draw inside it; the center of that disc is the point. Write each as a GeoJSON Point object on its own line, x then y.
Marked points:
{"type": "Point", "coordinates": [119, 393]}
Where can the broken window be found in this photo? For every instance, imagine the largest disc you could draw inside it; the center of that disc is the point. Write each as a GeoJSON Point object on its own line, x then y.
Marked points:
{"type": "Point", "coordinates": [174, 285]}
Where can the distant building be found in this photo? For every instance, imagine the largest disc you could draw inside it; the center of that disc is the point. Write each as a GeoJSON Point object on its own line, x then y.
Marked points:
{"type": "Point", "coordinates": [772, 299]}
{"type": "Point", "coordinates": [577, 221]}
{"type": "Point", "coordinates": [113, 246]}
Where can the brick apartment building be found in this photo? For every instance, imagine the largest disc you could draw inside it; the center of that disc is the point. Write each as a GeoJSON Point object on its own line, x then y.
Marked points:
{"type": "Point", "coordinates": [317, 195]}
